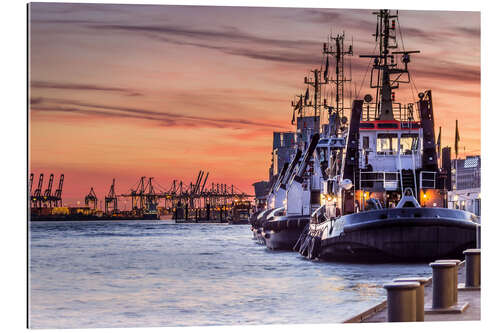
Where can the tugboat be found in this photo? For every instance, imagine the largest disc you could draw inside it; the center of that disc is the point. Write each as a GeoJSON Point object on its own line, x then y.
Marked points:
{"type": "Point", "coordinates": [275, 198]}
{"type": "Point", "coordinates": [283, 226]}
{"type": "Point", "coordinates": [386, 203]}
{"type": "Point", "coordinates": [299, 189]}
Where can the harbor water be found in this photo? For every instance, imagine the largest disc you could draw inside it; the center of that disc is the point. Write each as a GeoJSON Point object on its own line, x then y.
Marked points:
{"type": "Point", "coordinates": [150, 273]}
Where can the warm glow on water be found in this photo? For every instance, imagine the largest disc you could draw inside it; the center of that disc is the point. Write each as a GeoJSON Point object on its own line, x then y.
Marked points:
{"type": "Point", "coordinates": [130, 274]}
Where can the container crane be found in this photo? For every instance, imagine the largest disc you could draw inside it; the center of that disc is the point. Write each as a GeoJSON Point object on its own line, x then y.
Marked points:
{"type": "Point", "coordinates": [47, 195]}
{"type": "Point", "coordinates": [111, 199]}
{"type": "Point", "coordinates": [58, 193]}
{"type": "Point", "coordinates": [150, 197]}
{"type": "Point", "coordinates": [31, 183]}
{"type": "Point", "coordinates": [37, 195]}
{"type": "Point", "coordinates": [91, 198]}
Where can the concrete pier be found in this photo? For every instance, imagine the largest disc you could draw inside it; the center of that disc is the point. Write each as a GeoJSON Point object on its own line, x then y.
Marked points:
{"type": "Point", "coordinates": [378, 312]}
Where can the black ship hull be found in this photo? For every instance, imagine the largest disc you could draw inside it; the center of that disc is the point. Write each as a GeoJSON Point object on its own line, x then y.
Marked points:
{"type": "Point", "coordinates": [256, 221]}
{"type": "Point", "coordinates": [396, 235]}
{"type": "Point", "coordinates": [283, 232]}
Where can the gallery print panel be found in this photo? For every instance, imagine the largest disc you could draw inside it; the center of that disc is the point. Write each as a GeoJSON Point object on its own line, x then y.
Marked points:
{"type": "Point", "coordinates": [212, 165]}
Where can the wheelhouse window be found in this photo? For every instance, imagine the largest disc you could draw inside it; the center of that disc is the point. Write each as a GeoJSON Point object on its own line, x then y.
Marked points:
{"type": "Point", "coordinates": [387, 144]}
{"type": "Point", "coordinates": [408, 143]}
{"type": "Point", "coordinates": [366, 142]}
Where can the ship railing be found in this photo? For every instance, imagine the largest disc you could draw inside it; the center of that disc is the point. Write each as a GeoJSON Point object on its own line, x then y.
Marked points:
{"type": "Point", "coordinates": [402, 112]}
{"type": "Point", "coordinates": [427, 179]}
{"type": "Point", "coordinates": [389, 180]}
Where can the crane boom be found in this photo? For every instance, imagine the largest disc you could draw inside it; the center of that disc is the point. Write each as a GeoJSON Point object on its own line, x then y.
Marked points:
{"type": "Point", "coordinates": [48, 190]}
{"type": "Point", "coordinates": [31, 182]}
{"type": "Point", "coordinates": [204, 182]}
{"type": "Point", "coordinates": [58, 192]}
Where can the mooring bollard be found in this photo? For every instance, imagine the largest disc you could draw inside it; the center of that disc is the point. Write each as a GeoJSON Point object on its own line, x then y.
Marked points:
{"type": "Point", "coordinates": [472, 267]}
{"type": "Point", "coordinates": [402, 301]}
{"type": "Point", "coordinates": [420, 292]}
{"type": "Point", "coordinates": [442, 284]}
{"type": "Point", "coordinates": [455, 277]}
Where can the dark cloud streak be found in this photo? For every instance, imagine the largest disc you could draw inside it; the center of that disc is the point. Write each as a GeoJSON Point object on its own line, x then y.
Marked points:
{"type": "Point", "coordinates": [164, 118]}
{"type": "Point", "coordinates": [77, 86]}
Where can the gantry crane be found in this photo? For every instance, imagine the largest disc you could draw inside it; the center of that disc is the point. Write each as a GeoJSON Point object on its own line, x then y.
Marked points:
{"type": "Point", "coordinates": [151, 198]}
{"type": "Point", "coordinates": [36, 199]}
{"type": "Point", "coordinates": [112, 200]}
{"type": "Point", "coordinates": [31, 183]}
{"type": "Point", "coordinates": [58, 193]}
{"type": "Point", "coordinates": [47, 195]}
{"type": "Point", "coordinates": [91, 198]}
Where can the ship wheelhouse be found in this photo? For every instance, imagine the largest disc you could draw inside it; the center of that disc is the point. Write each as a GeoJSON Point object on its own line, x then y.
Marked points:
{"type": "Point", "coordinates": [390, 161]}
{"type": "Point", "coordinates": [390, 145]}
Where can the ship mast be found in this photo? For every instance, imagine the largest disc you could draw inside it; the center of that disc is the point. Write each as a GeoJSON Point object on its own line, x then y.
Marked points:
{"type": "Point", "coordinates": [338, 52]}
{"type": "Point", "coordinates": [385, 74]}
{"type": "Point", "coordinates": [316, 83]}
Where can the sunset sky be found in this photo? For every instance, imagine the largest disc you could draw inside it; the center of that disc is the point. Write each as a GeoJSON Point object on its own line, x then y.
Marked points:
{"type": "Point", "coordinates": [123, 91]}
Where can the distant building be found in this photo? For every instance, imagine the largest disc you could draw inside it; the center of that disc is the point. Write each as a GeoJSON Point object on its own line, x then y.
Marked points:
{"type": "Point", "coordinates": [466, 173]}
{"type": "Point", "coordinates": [466, 185]}
{"type": "Point", "coordinates": [284, 144]}
{"type": "Point", "coordinates": [468, 200]}
{"type": "Point", "coordinates": [261, 189]}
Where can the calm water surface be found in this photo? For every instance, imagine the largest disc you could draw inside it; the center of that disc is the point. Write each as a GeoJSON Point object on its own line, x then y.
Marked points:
{"type": "Point", "coordinates": [148, 273]}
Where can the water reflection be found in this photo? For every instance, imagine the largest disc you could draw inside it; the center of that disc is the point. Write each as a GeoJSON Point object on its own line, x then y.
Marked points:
{"type": "Point", "coordinates": [149, 274]}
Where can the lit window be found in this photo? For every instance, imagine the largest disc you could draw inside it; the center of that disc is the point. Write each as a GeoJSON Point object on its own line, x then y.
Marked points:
{"type": "Point", "coordinates": [407, 143]}
{"type": "Point", "coordinates": [387, 144]}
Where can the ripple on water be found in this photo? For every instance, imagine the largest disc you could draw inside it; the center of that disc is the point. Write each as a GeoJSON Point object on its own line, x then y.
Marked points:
{"type": "Point", "coordinates": [137, 274]}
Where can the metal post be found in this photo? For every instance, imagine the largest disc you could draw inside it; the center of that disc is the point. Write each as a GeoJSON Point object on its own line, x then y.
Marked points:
{"type": "Point", "coordinates": [455, 277]}
{"type": "Point", "coordinates": [478, 236]}
{"type": "Point", "coordinates": [401, 301]}
{"type": "Point", "coordinates": [442, 284]}
{"type": "Point", "coordinates": [472, 267]}
{"type": "Point", "coordinates": [420, 293]}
